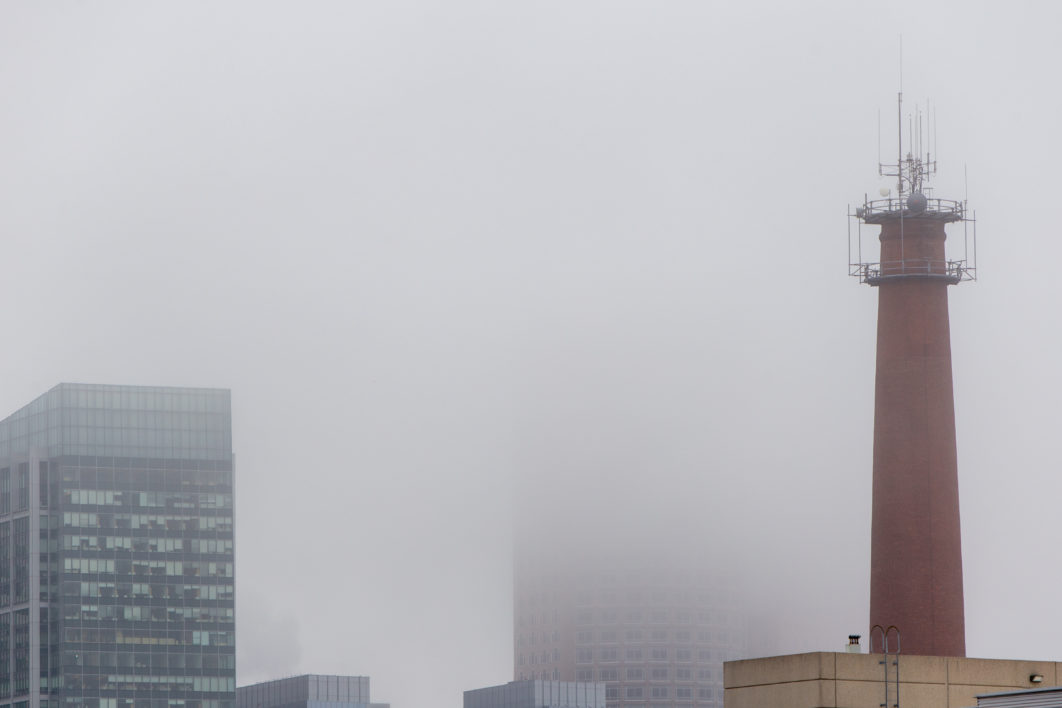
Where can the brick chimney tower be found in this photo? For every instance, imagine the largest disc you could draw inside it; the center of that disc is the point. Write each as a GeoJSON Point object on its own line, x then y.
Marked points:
{"type": "Point", "coordinates": [916, 552]}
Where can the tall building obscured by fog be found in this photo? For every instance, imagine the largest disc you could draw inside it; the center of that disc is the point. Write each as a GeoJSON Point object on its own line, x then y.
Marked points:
{"type": "Point", "coordinates": [655, 628]}
{"type": "Point", "coordinates": [116, 549]}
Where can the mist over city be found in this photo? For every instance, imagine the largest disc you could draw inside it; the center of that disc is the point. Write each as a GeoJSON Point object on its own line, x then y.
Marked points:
{"type": "Point", "coordinates": [572, 273]}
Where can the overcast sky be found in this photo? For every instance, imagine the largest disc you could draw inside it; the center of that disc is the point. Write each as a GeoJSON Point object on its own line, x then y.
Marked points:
{"type": "Point", "coordinates": [432, 246]}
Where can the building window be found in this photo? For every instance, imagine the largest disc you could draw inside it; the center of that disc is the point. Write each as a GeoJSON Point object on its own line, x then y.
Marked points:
{"type": "Point", "coordinates": [683, 692]}
{"type": "Point", "coordinates": [609, 654]}
{"type": "Point", "coordinates": [634, 653]}
{"type": "Point", "coordinates": [608, 635]}
{"type": "Point", "coordinates": [612, 693]}
{"type": "Point", "coordinates": [658, 691]}
{"type": "Point", "coordinates": [584, 636]}
{"type": "Point", "coordinates": [635, 674]}
{"type": "Point", "coordinates": [683, 673]}
{"type": "Point", "coordinates": [23, 485]}
{"type": "Point", "coordinates": [682, 636]}
{"type": "Point", "coordinates": [634, 635]}
{"type": "Point", "coordinates": [658, 654]}
{"type": "Point", "coordinates": [634, 691]}
{"type": "Point", "coordinates": [584, 675]}
{"type": "Point", "coordinates": [704, 693]}
{"type": "Point", "coordinates": [684, 655]}
{"type": "Point", "coordinates": [658, 635]}
{"type": "Point", "coordinates": [584, 655]}
{"type": "Point", "coordinates": [608, 675]}
{"type": "Point", "coordinates": [658, 673]}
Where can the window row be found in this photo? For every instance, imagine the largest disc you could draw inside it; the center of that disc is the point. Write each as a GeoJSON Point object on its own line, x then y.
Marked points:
{"type": "Point", "coordinates": [146, 543]}
{"type": "Point", "coordinates": [196, 569]}
{"type": "Point", "coordinates": [653, 674]}
{"type": "Point", "coordinates": [682, 636]}
{"type": "Point", "coordinates": [586, 655]}
{"type": "Point", "coordinates": [83, 701]}
{"type": "Point", "coordinates": [133, 682]}
{"type": "Point", "coordinates": [656, 673]}
{"type": "Point", "coordinates": [610, 615]}
{"type": "Point", "coordinates": [170, 522]}
{"type": "Point", "coordinates": [543, 658]}
{"type": "Point", "coordinates": [167, 500]}
{"type": "Point", "coordinates": [157, 591]}
{"type": "Point", "coordinates": [664, 692]}
{"type": "Point", "coordinates": [169, 637]}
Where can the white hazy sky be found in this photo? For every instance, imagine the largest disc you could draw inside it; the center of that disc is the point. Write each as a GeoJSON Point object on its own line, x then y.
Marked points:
{"type": "Point", "coordinates": [433, 245]}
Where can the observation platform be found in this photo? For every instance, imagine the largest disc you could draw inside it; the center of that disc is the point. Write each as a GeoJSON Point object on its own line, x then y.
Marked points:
{"type": "Point", "coordinates": [951, 272]}
{"type": "Point", "coordinates": [915, 206]}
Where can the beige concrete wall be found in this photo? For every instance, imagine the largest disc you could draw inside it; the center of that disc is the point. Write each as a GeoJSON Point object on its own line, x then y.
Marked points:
{"type": "Point", "coordinates": [839, 680]}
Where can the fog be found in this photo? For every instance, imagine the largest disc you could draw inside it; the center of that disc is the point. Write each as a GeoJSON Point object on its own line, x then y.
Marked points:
{"type": "Point", "coordinates": [453, 257]}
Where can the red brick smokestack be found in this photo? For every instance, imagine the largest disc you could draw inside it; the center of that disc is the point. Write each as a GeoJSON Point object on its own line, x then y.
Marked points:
{"type": "Point", "coordinates": [916, 555]}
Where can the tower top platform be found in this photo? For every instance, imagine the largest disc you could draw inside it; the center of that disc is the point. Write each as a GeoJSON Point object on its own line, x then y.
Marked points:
{"type": "Point", "coordinates": [916, 206]}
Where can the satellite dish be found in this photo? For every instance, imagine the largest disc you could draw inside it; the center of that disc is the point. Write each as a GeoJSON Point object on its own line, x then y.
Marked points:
{"type": "Point", "coordinates": [884, 191]}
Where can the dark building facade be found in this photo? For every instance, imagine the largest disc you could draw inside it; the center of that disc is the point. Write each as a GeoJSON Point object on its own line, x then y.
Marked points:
{"type": "Point", "coordinates": [116, 549]}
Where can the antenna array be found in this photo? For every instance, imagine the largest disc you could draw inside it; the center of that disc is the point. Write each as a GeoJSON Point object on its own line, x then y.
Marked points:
{"type": "Point", "coordinates": [913, 169]}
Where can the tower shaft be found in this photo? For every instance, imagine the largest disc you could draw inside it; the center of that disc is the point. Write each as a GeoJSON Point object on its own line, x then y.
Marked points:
{"type": "Point", "coordinates": [916, 556]}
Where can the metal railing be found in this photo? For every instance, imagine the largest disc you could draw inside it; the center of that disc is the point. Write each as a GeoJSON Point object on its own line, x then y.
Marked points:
{"type": "Point", "coordinates": [894, 206]}
{"type": "Point", "coordinates": [951, 271]}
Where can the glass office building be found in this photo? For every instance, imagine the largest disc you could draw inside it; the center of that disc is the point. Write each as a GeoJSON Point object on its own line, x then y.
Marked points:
{"type": "Point", "coordinates": [308, 691]}
{"type": "Point", "coordinates": [116, 549]}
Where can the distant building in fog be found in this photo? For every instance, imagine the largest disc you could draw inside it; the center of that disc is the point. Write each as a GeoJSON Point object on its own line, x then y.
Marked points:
{"type": "Point", "coordinates": [655, 633]}
{"type": "Point", "coordinates": [538, 694]}
{"type": "Point", "coordinates": [308, 691]}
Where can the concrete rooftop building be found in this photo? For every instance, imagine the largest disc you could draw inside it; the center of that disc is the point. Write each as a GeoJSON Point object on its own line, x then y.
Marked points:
{"type": "Point", "coordinates": [843, 680]}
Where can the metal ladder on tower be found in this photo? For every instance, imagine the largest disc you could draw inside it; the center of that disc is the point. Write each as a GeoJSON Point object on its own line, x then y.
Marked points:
{"type": "Point", "coordinates": [890, 657]}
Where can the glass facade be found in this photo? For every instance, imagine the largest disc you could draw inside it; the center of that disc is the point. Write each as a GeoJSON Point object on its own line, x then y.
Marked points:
{"type": "Point", "coordinates": [538, 694]}
{"type": "Point", "coordinates": [308, 691]}
{"type": "Point", "coordinates": [116, 549]}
